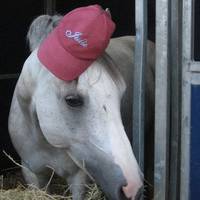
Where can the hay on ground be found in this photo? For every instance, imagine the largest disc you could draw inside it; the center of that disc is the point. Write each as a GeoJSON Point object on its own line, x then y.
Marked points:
{"type": "Point", "coordinates": [12, 187]}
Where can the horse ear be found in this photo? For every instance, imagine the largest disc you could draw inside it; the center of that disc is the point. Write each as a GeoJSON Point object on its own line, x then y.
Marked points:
{"type": "Point", "coordinates": [108, 12]}
{"type": "Point", "coordinates": [40, 28]}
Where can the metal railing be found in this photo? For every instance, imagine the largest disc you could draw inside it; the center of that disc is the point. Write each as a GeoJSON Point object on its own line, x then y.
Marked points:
{"type": "Point", "coordinates": [167, 141]}
{"type": "Point", "coordinates": [139, 80]}
{"type": "Point", "coordinates": [49, 6]}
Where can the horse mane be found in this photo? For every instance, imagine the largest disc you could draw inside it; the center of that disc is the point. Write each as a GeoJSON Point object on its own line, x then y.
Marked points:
{"type": "Point", "coordinates": [113, 70]}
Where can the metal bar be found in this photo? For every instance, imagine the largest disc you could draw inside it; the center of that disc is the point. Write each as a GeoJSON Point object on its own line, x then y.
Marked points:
{"type": "Point", "coordinates": [194, 66]}
{"type": "Point", "coordinates": [139, 80]}
{"type": "Point", "coordinates": [186, 97]}
{"type": "Point", "coordinates": [195, 78]}
{"type": "Point", "coordinates": [162, 101]}
{"type": "Point", "coordinates": [175, 97]}
{"type": "Point", "coordinates": [9, 76]}
{"type": "Point", "coordinates": [49, 6]}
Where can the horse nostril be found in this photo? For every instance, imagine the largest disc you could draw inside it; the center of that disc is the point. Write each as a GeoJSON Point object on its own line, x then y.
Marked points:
{"type": "Point", "coordinates": [121, 193]}
{"type": "Point", "coordinates": [122, 196]}
{"type": "Point", "coordinates": [139, 194]}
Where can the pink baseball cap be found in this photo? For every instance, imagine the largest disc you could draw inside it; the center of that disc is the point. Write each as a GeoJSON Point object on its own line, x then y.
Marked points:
{"type": "Point", "coordinates": [80, 38]}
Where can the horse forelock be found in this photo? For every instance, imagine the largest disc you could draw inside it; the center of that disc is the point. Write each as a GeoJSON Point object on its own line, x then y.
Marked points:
{"type": "Point", "coordinates": [104, 64]}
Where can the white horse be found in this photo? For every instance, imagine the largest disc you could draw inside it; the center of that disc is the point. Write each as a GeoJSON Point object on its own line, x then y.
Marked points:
{"type": "Point", "coordinates": [75, 127]}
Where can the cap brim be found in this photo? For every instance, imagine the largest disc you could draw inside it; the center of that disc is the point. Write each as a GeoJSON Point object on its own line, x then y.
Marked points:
{"type": "Point", "coordinates": [59, 61]}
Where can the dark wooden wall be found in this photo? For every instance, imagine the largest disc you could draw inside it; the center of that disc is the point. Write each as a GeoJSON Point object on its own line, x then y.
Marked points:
{"type": "Point", "coordinates": [197, 31]}
{"type": "Point", "coordinates": [15, 17]}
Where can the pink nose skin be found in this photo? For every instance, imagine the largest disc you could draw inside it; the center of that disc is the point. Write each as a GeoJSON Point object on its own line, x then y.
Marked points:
{"type": "Point", "coordinates": [132, 190]}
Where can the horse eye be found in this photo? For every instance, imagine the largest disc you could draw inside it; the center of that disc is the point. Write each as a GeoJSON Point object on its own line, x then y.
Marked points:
{"type": "Point", "coordinates": [74, 100]}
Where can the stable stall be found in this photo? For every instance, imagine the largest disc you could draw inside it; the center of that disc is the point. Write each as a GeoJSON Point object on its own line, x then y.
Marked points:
{"type": "Point", "coordinates": [174, 164]}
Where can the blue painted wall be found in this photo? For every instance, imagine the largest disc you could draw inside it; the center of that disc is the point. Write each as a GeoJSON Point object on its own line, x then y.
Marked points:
{"type": "Point", "coordinates": [195, 144]}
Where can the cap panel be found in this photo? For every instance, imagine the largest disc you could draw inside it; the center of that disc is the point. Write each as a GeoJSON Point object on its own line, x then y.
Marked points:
{"type": "Point", "coordinates": [79, 39]}
{"type": "Point", "coordinates": [90, 41]}
{"type": "Point", "coordinates": [63, 65]}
